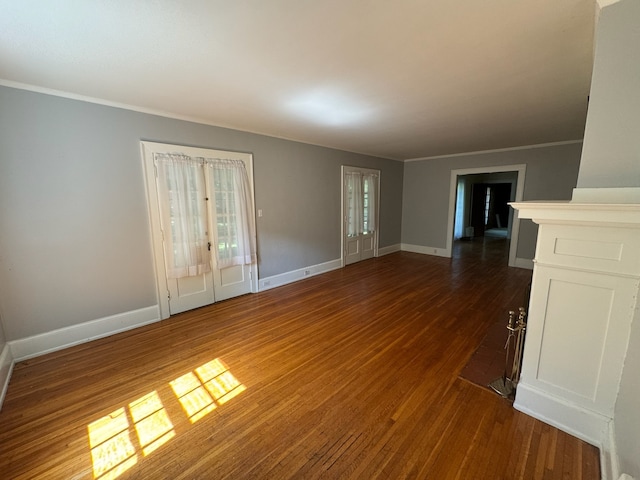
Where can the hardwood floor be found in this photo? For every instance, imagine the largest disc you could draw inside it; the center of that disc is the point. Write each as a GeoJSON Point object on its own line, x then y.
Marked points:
{"type": "Point", "coordinates": [350, 374]}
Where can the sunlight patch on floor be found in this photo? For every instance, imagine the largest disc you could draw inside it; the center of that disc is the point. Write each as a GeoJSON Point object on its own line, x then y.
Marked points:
{"type": "Point", "coordinates": [201, 391]}
{"type": "Point", "coordinates": [118, 439]}
{"type": "Point", "coordinates": [152, 422]}
{"type": "Point", "coordinates": [112, 451]}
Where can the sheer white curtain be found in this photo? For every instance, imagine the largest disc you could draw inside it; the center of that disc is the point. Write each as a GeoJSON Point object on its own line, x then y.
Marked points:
{"type": "Point", "coordinates": [370, 185]}
{"type": "Point", "coordinates": [354, 203]}
{"type": "Point", "coordinates": [182, 191]}
{"type": "Point", "coordinates": [235, 222]}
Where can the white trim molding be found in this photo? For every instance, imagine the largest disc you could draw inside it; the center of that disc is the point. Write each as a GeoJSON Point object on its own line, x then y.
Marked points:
{"type": "Point", "coordinates": [36, 345]}
{"type": "Point", "coordinates": [438, 252]}
{"type": "Point", "coordinates": [285, 278]}
{"type": "Point", "coordinates": [162, 113]}
{"type": "Point", "coordinates": [520, 169]}
{"type": "Point", "coordinates": [495, 150]}
{"type": "Point", "coordinates": [389, 249]}
{"type": "Point", "coordinates": [609, 464]}
{"type": "Point", "coordinates": [6, 367]}
{"type": "Point", "coordinates": [584, 424]}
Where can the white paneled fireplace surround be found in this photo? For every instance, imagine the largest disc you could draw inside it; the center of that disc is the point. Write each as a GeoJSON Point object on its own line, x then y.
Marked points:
{"type": "Point", "coordinates": [583, 300]}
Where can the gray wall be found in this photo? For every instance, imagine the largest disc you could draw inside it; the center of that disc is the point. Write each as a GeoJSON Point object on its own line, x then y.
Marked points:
{"type": "Point", "coordinates": [3, 338]}
{"type": "Point", "coordinates": [551, 175]}
{"type": "Point", "coordinates": [611, 156]}
{"type": "Point", "coordinates": [74, 233]}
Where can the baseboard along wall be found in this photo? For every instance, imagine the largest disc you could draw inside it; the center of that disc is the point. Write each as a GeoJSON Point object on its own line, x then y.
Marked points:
{"type": "Point", "coordinates": [6, 367]}
{"type": "Point", "coordinates": [36, 345]}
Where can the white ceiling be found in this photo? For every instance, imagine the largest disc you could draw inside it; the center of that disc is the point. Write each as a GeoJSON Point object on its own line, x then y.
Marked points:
{"type": "Point", "coordinates": [400, 79]}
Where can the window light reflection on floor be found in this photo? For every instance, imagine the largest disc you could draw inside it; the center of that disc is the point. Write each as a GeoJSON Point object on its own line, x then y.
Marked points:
{"type": "Point", "coordinates": [111, 437]}
{"type": "Point", "coordinates": [201, 391]}
{"type": "Point", "coordinates": [152, 422]}
{"type": "Point", "coordinates": [118, 440]}
{"type": "Point", "coordinates": [192, 395]}
{"type": "Point", "coordinates": [111, 449]}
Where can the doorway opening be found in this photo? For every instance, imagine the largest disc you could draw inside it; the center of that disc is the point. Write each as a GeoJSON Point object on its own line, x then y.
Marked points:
{"type": "Point", "coordinates": [479, 215]}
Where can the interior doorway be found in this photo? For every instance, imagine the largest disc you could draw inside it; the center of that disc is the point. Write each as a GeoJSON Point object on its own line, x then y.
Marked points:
{"type": "Point", "coordinates": [478, 208]}
{"type": "Point", "coordinates": [482, 206]}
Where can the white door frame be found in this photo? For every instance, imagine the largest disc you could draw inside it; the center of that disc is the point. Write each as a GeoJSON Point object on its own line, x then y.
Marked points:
{"type": "Point", "coordinates": [343, 170]}
{"type": "Point", "coordinates": [521, 170]}
{"type": "Point", "coordinates": [147, 150]}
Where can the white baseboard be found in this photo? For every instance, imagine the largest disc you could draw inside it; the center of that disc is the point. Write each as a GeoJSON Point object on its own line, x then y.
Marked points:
{"type": "Point", "coordinates": [609, 466]}
{"type": "Point", "coordinates": [443, 252]}
{"type": "Point", "coordinates": [439, 252]}
{"type": "Point", "coordinates": [584, 424]}
{"type": "Point", "coordinates": [390, 249]}
{"type": "Point", "coordinates": [524, 263]}
{"type": "Point", "coordinates": [6, 367]}
{"type": "Point", "coordinates": [281, 279]}
{"type": "Point", "coordinates": [36, 345]}
{"type": "Point", "coordinates": [609, 463]}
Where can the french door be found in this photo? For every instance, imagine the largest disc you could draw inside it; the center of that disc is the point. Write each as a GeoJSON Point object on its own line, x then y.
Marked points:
{"type": "Point", "coordinates": [209, 208]}
{"type": "Point", "coordinates": [360, 187]}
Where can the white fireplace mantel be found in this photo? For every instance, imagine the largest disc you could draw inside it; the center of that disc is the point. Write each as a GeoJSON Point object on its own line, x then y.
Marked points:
{"type": "Point", "coordinates": [585, 283]}
{"type": "Point", "coordinates": [573, 213]}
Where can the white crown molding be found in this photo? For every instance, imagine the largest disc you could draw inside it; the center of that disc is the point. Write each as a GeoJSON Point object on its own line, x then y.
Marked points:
{"type": "Point", "coordinates": [496, 150]}
{"type": "Point", "coordinates": [165, 114]}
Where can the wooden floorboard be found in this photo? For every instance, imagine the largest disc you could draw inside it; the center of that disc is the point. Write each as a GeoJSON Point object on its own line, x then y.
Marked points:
{"type": "Point", "coordinates": [350, 374]}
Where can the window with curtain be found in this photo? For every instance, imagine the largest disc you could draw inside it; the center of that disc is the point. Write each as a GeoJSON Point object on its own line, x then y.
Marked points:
{"type": "Point", "coordinates": [181, 186]}
{"type": "Point", "coordinates": [354, 203]}
{"type": "Point", "coordinates": [361, 202]}
{"type": "Point", "coordinates": [369, 195]}
{"type": "Point", "coordinates": [184, 192]}
{"type": "Point", "coordinates": [233, 213]}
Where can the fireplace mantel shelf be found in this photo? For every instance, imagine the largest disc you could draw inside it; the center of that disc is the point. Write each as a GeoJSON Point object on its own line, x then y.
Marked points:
{"type": "Point", "coordinates": [611, 214]}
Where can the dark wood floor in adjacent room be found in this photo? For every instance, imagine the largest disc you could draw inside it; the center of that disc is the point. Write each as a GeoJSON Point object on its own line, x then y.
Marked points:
{"type": "Point", "coordinates": [350, 374]}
